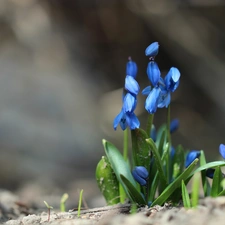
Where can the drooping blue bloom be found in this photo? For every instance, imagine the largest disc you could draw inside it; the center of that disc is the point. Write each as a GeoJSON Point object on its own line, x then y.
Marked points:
{"type": "Point", "coordinates": [152, 49]}
{"type": "Point", "coordinates": [210, 172]}
{"type": "Point", "coordinates": [191, 156]}
{"type": "Point", "coordinates": [174, 124]}
{"type": "Point", "coordinates": [126, 117]}
{"type": "Point", "coordinates": [153, 73]}
{"type": "Point", "coordinates": [126, 120]}
{"type": "Point", "coordinates": [172, 79]}
{"type": "Point", "coordinates": [159, 96]}
{"type": "Point", "coordinates": [151, 102]}
{"type": "Point", "coordinates": [222, 150]}
{"type": "Point", "coordinates": [129, 103]}
{"type": "Point", "coordinates": [131, 68]}
{"type": "Point", "coordinates": [140, 174]}
{"type": "Point", "coordinates": [131, 85]}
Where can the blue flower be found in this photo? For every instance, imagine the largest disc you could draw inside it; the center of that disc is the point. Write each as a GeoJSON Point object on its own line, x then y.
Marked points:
{"type": "Point", "coordinates": [126, 117]}
{"type": "Point", "coordinates": [131, 68]}
{"type": "Point", "coordinates": [172, 79]}
{"type": "Point", "coordinates": [151, 102]}
{"type": "Point", "coordinates": [153, 73]}
{"type": "Point", "coordinates": [131, 85]}
{"type": "Point", "coordinates": [222, 150]}
{"type": "Point", "coordinates": [152, 49]}
{"type": "Point", "coordinates": [174, 124]}
{"type": "Point", "coordinates": [129, 103]}
{"type": "Point", "coordinates": [140, 174]}
{"type": "Point", "coordinates": [126, 120]}
{"type": "Point", "coordinates": [191, 156]}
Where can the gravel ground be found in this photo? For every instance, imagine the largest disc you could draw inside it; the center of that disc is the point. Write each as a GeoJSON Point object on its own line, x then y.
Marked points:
{"type": "Point", "coordinates": [209, 211]}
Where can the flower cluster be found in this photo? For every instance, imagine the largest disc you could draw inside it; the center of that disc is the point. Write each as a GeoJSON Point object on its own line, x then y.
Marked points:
{"type": "Point", "coordinates": [127, 117]}
{"type": "Point", "coordinates": [159, 95]}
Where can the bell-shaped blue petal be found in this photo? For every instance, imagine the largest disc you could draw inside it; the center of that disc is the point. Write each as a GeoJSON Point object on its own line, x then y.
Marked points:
{"type": "Point", "coordinates": [132, 121]}
{"type": "Point", "coordinates": [152, 50]}
{"type": "Point", "coordinates": [140, 174]}
{"type": "Point", "coordinates": [146, 91]}
{"type": "Point", "coordinates": [174, 124]}
{"type": "Point", "coordinates": [131, 68]}
{"type": "Point", "coordinates": [172, 79]}
{"type": "Point", "coordinates": [120, 119]}
{"type": "Point", "coordinates": [152, 100]}
{"type": "Point", "coordinates": [129, 103]}
{"type": "Point", "coordinates": [153, 73]}
{"type": "Point", "coordinates": [131, 85]}
{"type": "Point", "coordinates": [164, 99]}
{"type": "Point", "coordinates": [210, 173]}
{"type": "Point", "coordinates": [222, 150]}
{"type": "Point", "coordinates": [191, 156]}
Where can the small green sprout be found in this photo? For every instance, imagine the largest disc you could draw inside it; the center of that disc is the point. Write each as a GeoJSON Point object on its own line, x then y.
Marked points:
{"type": "Point", "coordinates": [80, 202]}
{"type": "Point", "coordinates": [49, 209]}
{"type": "Point", "coordinates": [62, 202]}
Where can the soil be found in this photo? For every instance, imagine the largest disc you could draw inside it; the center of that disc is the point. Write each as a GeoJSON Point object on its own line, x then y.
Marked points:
{"type": "Point", "coordinates": [209, 211]}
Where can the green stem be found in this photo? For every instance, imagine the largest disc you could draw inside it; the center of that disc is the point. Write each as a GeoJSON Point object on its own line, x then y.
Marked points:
{"type": "Point", "coordinates": [125, 156]}
{"type": "Point", "coordinates": [169, 145]}
{"type": "Point", "coordinates": [79, 204]}
{"type": "Point", "coordinates": [125, 144]}
{"type": "Point", "coordinates": [149, 124]}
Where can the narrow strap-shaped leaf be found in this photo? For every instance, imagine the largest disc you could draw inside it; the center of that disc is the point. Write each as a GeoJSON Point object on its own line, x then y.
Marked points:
{"type": "Point", "coordinates": [133, 192]}
{"type": "Point", "coordinates": [216, 184]}
{"type": "Point", "coordinates": [185, 196]}
{"type": "Point", "coordinates": [158, 162]}
{"type": "Point", "coordinates": [175, 184]}
{"type": "Point", "coordinates": [207, 166]}
{"type": "Point", "coordinates": [195, 189]}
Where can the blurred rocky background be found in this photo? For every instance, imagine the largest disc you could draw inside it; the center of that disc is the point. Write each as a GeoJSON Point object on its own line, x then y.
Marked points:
{"type": "Point", "coordinates": [62, 69]}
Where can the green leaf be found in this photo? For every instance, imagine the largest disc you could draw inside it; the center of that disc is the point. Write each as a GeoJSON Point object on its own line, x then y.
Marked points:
{"type": "Point", "coordinates": [107, 181]}
{"type": "Point", "coordinates": [178, 161]}
{"type": "Point", "coordinates": [205, 182]}
{"type": "Point", "coordinates": [217, 178]}
{"type": "Point", "coordinates": [185, 196]}
{"type": "Point", "coordinates": [175, 184]}
{"type": "Point", "coordinates": [119, 165]}
{"type": "Point", "coordinates": [133, 192]}
{"type": "Point", "coordinates": [207, 166]}
{"type": "Point", "coordinates": [195, 190]}
{"type": "Point", "coordinates": [141, 151]}
{"type": "Point", "coordinates": [158, 162]}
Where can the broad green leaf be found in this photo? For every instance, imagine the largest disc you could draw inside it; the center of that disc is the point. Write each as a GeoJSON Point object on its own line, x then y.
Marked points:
{"type": "Point", "coordinates": [185, 196]}
{"type": "Point", "coordinates": [119, 165]}
{"type": "Point", "coordinates": [141, 151]}
{"type": "Point", "coordinates": [107, 181]}
{"type": "Point", "coordinates": [175, 184]}
{"type": "Point", "coordinates": [133, 192]}
{"type": "Point", "coordinates": [158, 162]}
{"type": "Point", "coordinates": [216, 187]}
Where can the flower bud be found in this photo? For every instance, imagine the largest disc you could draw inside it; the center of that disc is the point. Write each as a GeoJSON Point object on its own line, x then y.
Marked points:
{"type": "Point", "coordinates": [140, 174]}
{"type": "Point", "coordinates": [191, 156]}
{"type": "Point", "coordinates": [152, 49]}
